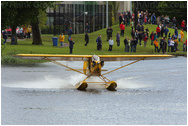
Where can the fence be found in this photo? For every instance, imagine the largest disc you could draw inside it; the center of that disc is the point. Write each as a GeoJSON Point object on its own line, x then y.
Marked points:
{"type": "Point", "coordinates": [76, 16]}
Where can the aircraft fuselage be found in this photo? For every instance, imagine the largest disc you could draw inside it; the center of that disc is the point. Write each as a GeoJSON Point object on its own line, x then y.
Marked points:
{"type": "Point", "coordinates": [93, 66]}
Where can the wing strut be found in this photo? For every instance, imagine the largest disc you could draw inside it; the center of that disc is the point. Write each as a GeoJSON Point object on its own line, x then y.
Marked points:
{"type": "Point", "coordinates": [123, 66]}
{"type": "Point", "coordinates": [62, 65]}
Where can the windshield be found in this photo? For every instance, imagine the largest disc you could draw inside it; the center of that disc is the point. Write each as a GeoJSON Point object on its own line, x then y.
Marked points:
{"type": "Point", "coordinates": [95, 58]}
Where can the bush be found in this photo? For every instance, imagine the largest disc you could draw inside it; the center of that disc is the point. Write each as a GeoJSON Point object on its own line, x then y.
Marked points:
{"type": "Point", "coordinates": [8, 60]}
{"type": "Point", "coordinates": [47, 29]}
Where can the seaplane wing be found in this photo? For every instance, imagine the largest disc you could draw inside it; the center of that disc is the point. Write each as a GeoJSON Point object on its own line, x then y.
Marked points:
{"type": "Point", "coordinates": [54, 57]}
{"type": "Point", "coordinates": [87, 57]}
{"type": "Point", "coordinates": [132, 57]}
{"type": "Point", "coordinates": [92, 65]}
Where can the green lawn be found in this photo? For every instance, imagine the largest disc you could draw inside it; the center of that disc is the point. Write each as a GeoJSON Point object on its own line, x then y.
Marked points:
{"type": "Point", "coordinates": [26, 46]}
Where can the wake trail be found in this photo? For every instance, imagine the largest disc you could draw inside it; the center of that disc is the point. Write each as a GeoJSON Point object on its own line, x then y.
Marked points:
{"type": "Point", "coordinates": [51, 82]}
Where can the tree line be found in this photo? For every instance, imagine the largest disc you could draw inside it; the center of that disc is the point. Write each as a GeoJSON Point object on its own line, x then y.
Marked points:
{"type": "Point", "coordinates": [19, 13]}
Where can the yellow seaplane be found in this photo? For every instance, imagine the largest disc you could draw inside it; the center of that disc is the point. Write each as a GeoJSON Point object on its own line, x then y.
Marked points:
{"type": "Point", "coordinates": [93, 64]}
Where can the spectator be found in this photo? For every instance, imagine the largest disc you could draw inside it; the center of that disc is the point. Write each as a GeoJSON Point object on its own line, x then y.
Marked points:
{"type": "Point", "coordinates": [133, 33]}
{"type": "Point", "coordinates": [167, 19]}
{"type": "Point", "coordinates": [28, 32]}
{"type": "Point", "coordinates": [162, 30]}
{"type": "Point", "coordinates": [99, 43]}
{"type": "Point", "coordinates": [152, 37]}
{"type": "Point", "coordinates": [71, 43]}
{"type": "Point", "coordinates": [136, 36]}
{"type": "Point", "coordinates": [132, 23]}
{"type": "Point", "coordinates": [156, 43]}
{"type": "Point", "coordinates": [162, 45]}
{"type": "Point", "coordinates": [129, 14]}
{"type": "Point", "coordinates": [86, 38]}
{"type": "Point", "coordinates": [179, 37]}
{"type": "Point", "coordinates": [118, 39]}
{"type": "Point", "coordinates": [122, 27]}
{"type": "Point", "coordinates": [5, 36]}
{"type": "Point", "coordinates": [147, 15]}
{"type": "Point", "coordinates": [126, 19]}
{"type": "Point", "coordinates": [185, 46]}
{"type": "Point", "coordinates": [175, 44]}
{"type": "Point", "coordinates": [169, 39]}
{"type": "Point", "coordinates": [140, 36]}
{"type": "Point", "coordinates": [109, 33]}
{"type": "Point", "coordinates": [166, 31]}
{"type": "Point", "coordinates": [145, 19]}
{"type": "Point", "coordinates": [13, 40]}
{"type": "Point", "coordinates": [171, 45]}
{"type": "Point", "coordinates": [183, 24]}
{"type": "Point", "coordinates": [21, 34]}
{"type": "Point", "coordinates": [61, 39]}
{"type": "Point", "coordinates": [142, 29]}
{"type": "Point", "coordinates": [70, 33]}
{"type": "Point", "coordinates": [162, 19]}
{"type": "Point", "coordinates": [145, 38]}
{"type": "Point", "coordinates": [169, 35]}
{"type": "Point", "coordinates": [158, 20]}
{"type": "Point", "coordinates": [155, 35]}
{"type": "Point", "coordinates": [158, 31]}
{"type": "Point", "coordinates": [132, 44]}
{"type": "Point", "coordinates": [153, 19]}
{"type": "Point", "coordinates": [141, 18]}
{"type": "Point", "coordinates": [147, 31]}
{"type": "Point", "coordinates": [176, 31]}
{"type": "Point", "coordinates": [87, 28]}
{"type": "Point", "coordinates": [149, 18]}
{"type": "Point", "coordinates": [174, 22]}
{"type": "Point", "coordinates": [173, 36]}
{"type": "Point", "coordinates": [121, 19]}
{"type": "Point", "coordinates": [138, 27]}
{"type": "Point", "coordinates": [182, 35]}
{"type": "Point", "coordinates": [126, 43]}
{"type": "Point", "coordinates": [133, 16]}
{"type": "Point", "coordinates": [129, 44]}
{"type": "Point", "coordinates": [160, 26]}
{"type": "Point", "coordinates": [111, 43]}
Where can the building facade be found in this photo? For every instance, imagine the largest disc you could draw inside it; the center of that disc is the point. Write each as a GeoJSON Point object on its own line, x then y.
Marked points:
{"type": "Point", "coordinates": [76, 14]}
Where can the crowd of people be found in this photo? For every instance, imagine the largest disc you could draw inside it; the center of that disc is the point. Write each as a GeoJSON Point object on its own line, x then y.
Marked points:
{"type": "Point", "coordinates": [162, 39]}
{"type": "Point", "coordinates": [143, 34]}
{"type": "Point", "coordinates": [144, 17]}
{"type": "Point", "coordinates": [22, 32]}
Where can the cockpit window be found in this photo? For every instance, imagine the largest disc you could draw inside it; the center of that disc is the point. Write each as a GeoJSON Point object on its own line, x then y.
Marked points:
{"type": "Point", "coordinates": [95, 58]}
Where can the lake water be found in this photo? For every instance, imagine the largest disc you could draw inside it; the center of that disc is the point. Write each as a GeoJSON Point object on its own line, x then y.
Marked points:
{"type": "Point", "coordinates": [151, 92]}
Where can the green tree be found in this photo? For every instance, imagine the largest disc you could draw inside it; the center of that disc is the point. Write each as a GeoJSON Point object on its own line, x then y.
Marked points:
{"type": "Point", "coordinates": [42, 18]}
{"type": "Point", "coordinates": [176, 9]}
{"type": "Point", "coordinates": [36, 8]}
{"type": "Point", "coordinates": [13, 15]}
{"type": "Point", "coordinates": [115, 7]}
{"type": "Point", "coordinates": [16, 13]}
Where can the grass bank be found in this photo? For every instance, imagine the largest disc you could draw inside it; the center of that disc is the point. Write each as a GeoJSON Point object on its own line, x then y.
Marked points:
{"type": "Point", "coordinates": [26, 47]}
